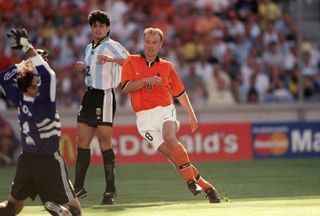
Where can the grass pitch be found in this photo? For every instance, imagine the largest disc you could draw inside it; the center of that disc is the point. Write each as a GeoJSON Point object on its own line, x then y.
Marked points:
{"type": "Point", "coordinates": [257, 188]}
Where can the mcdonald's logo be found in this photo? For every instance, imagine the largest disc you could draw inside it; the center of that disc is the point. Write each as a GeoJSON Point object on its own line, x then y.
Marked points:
{"type": "Point", "coordinates": [66, 144]}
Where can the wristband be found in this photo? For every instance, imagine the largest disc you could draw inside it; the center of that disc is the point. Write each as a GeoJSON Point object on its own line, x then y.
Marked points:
{"type": "Point", "coordinates": [27, 47]}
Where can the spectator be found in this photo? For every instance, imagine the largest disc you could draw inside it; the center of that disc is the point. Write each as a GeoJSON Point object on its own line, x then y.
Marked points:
{"type": "Point", "coordinates": [270, 35]}
{"type": "Point", "coordinates": [182, 66]}
{"type": "Point", "coordinates": [252, 29]}
{"type": "Point", "coordinates": [218, 86]}
{"type": "Point", "coordinates": [290, 58]}
{"type": "Point", "coordinates": [268, 11]}
{"type": "Point", "coordinates": [203, 67]}
{"type": "Point", "coordinates": [247, 70]}
{"type": "Point", "coordinates": [126, 24]}
{"type": "Point", "coordinates": [309, 68]}
{"type": "Point", "coordinates": [252, 94]}
{"type": "Point", "coordinates": [191, 28]}
{"type": "Point", "coordinates": [277, 91]}
{"type": "Point", "coordinates": [262, 81]}
{"type": "Point", "coordinates": [5, 60]}
{"type": "Point", "coordinates": [9, 144]}
{"type": "Point", "coordinates": [286, 25]}
{"type": "Point", "coordinates": [242, 48]}
{"type": "Point", "coordinates": [194, 85]}
{"type": "Point", "coordinates": [235, 26]}
{"type": "Point", "coordinates": [293, 82]}
{"type": "Point", "coordinates": [316, 85]}
{"type": "Point", "coordinates": [272, 57]}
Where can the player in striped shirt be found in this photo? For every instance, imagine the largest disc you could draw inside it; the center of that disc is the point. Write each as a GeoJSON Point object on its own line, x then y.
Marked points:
{"type": "Point", "coordinates": [31, 85]}
{"type": "Point", "coordinates": [152, 83]}
{"type": "Point", "coordinates": [102, 65]}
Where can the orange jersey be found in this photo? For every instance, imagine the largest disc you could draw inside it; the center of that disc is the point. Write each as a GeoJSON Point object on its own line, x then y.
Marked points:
{"type": "Point", "coordinates": [150, 96]}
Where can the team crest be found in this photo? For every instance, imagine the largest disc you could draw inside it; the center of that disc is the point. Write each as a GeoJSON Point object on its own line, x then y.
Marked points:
{"type": "Point", "coordinates": [98, 113]}
{"type": "Point", "coordinates": [149, 87]}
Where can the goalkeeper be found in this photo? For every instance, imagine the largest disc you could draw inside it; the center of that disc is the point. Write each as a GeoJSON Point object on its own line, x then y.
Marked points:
{"type": "Point", "coordinates": [41, 170]}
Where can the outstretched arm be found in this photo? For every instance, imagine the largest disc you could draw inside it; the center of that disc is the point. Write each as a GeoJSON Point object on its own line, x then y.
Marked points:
{"type": "Point", "coordinates": [47, 87]}
{"type": "Point", "coordinates": [107, 58]}
{"type": "Point", "coordinates": [132, 86]}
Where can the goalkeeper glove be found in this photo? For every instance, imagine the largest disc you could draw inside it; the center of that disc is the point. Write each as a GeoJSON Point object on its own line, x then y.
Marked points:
{"type": "Point", "coordinates": [20, 36]}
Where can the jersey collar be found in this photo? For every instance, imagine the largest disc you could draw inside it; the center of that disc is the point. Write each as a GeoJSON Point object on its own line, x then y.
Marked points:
{"type": "Point", "coordinates": [100, 41]}
{"type": "Point", "coordinates": [149, 64]}
{"type": "Point", "coordinates": [28, 98]}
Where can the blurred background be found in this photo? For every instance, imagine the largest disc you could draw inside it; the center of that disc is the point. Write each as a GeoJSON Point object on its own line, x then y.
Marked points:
{"type": "Point", "coordinates": [240, 60]}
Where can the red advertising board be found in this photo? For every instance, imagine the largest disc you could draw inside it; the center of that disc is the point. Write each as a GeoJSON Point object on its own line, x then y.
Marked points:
{"type": "Point", "coordinates": [211, 142]}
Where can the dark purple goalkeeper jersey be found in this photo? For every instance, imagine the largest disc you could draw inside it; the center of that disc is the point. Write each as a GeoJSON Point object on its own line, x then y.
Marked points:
{"type": "Point", "coordinates": [39, 121]}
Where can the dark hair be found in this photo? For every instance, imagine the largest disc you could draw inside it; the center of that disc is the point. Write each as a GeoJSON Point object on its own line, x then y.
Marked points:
{"type": "Point", "coordinates": [213, 60]}
{"type": "Point", "coordinates": [25, 81]}
{"type": "Point", "coordinates": [98, 16]}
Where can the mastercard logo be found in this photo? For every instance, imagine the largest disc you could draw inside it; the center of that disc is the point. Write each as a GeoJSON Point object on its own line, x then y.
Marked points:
{"type": "Point", "coordinates": [271, 144]}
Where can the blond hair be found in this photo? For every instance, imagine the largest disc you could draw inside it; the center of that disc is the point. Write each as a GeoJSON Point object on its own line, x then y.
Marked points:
{"type": "Point", "coordinates": [153, 31]}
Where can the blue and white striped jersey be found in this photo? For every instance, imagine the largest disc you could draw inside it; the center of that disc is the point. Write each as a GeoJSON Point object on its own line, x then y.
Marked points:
{"type": "Point", "coordinates": [108, 75]}
{"type": "Point", "coordinates": [39, 121]}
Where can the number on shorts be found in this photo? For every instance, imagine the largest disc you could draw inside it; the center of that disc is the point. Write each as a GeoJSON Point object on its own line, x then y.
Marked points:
{"type": "Point", "coordinates": [148, 136]}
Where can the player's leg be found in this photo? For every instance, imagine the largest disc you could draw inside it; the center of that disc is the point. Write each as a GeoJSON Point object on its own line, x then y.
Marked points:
{"type": "Point", "coordinates": [176, 151]}
{"type": "Point", "coordinates": [85, 134]}
{"type": "Point", "coordinates": [21, 188]}
{"type": "Point", "coordinates": [178, 155]}
{"type": "Point", "coordinates": [200, 180]}
{"type": "Point", "coordinates": [104, 132]}
{"type": "Point", "coordinates": [7, 208]}
{"type": "Point", "coordinates": [104, 135]}
{"type": "Point", "coordinates": [208, 188]}
{"type": "Point", "coordinates": [54, 186]}
{"type": "Point", "coordinates": [11, 206]}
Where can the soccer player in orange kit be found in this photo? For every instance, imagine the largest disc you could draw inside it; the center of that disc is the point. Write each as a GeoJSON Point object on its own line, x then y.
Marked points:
{"type": "Point", "coordinates": [152, 83]}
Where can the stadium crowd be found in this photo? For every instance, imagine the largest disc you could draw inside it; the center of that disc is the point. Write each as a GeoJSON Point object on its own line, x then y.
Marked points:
{"type": "Point", "coordinates": [226, 51]}
{"type": "Point", "coordinates": [9, 144]}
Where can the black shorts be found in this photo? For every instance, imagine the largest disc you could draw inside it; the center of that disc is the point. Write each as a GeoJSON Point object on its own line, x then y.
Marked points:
{"type": "Point", "coordinates": [97, 107]}
{"type": "Point", "coordinates": [43, 175]}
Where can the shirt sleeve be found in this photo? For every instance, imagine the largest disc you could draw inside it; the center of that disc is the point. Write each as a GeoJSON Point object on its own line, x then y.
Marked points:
{"type": "Point", "coordinates": [116, 50]}
{"type": "Point", "coordinates": [8, 84]}
{"type": "Point", "coordinates": [122, 51]}
{"type": "Point", "coordinates": [127, 72]}
{"type": "Point", "coordinates": [47, 88]}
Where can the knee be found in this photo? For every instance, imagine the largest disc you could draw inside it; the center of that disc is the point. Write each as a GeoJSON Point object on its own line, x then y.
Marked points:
{"type": "Point", "coordinates": [105, 145]}
{"type": "Point", "coordinates": [170, 139]}
{"type": "Point", "coordinates": [83, 142]}
{"type": "Point", "coordinates": [105, 142]}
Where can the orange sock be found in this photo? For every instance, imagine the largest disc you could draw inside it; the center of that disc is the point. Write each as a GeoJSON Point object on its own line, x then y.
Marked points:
{"type": "Point", "coordinates": [182, 162]}
{"type": "Point", "coordinates": [200, 181]}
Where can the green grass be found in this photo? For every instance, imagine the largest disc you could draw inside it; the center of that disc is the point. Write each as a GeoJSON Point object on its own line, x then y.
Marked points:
{"type": "Point", "coordinates": [257, 188]}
